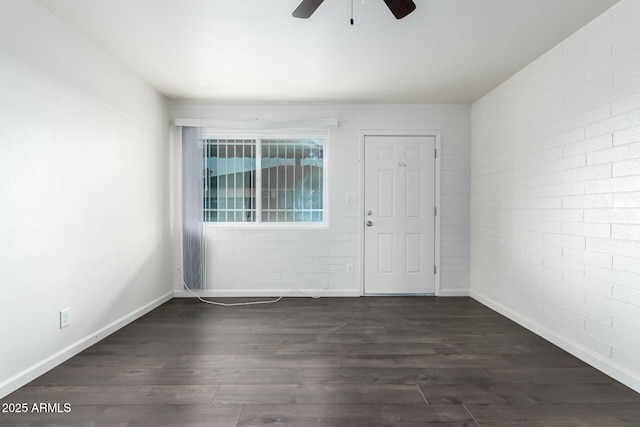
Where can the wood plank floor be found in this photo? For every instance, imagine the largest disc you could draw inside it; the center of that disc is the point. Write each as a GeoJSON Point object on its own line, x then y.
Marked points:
{"type": "Point", "coordinates": [447, 362]}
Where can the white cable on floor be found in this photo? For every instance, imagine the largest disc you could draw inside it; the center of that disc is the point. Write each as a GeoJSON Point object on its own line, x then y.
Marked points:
{"type": "Point", "coordinates": [306, 294]}
{"type": "Point", "coordinates": [222, 303]}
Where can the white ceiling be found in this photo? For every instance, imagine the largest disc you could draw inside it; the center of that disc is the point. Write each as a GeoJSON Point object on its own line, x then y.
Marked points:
{"type": "Point", "coordinates": [241, 51]}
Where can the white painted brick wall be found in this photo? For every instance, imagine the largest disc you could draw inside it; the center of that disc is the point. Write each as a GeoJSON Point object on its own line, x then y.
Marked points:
{"type": "Point", "coordinates": [555, 194]}
{"type": "Point", "coordinates": [302, 261]}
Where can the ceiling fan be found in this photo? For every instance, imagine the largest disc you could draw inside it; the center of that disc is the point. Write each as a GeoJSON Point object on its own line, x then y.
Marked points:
{"type": "Point", "coordinates": [399, 8]}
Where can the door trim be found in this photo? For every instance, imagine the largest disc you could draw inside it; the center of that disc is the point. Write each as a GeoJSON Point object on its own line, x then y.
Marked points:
{"type": "Point", "coordinates": [386, 132]}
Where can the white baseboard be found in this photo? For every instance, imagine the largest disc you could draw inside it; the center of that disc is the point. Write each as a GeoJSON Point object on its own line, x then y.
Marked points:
{"type": "Point", "coordinates": [614, 370]}
{"type": "Point", "coordinates": [248, 293]}
{"type": "Point", "coordinates": [453, 293]}
{"type": "Point", "coordinates": [33, 372]}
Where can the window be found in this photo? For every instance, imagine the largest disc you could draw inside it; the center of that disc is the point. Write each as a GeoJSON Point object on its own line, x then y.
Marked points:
{"type": "Point", "coordinates": [264, 180]}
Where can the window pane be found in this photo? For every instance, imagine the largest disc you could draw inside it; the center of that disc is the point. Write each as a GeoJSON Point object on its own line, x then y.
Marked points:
{"type": "Point", "coordinates": [292, 180]}
{"type": "Point", "coordinates": [292, 172]}
{"type": "Point", "coordinates": [230, 167]}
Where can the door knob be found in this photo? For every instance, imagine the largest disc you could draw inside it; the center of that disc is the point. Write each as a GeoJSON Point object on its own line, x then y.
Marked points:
{"type": "Point", "coordinates": [369, 223]}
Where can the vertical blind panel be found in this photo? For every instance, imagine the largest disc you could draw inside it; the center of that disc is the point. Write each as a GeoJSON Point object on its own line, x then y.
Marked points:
{"type": "Point", "coordinates": [192, 209]}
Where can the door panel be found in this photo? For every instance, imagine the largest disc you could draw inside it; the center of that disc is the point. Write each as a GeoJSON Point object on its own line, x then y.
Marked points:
{"type": "Point", "coordinates": [386, 195]}
{"type": "Point", "coordinates": [399, 206]}
{"type": "Point", "coordinates": [414, 196]}
{"type": "Point", "coordinates": [414, 253]}
{"type": "Point", "coordinates": [385, 253]}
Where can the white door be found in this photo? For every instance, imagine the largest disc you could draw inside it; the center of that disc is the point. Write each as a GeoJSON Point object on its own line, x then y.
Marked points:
{"type": "Point", "coordinates": [399, 203]}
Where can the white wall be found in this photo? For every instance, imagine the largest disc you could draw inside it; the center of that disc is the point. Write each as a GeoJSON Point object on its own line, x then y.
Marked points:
{"type": "Point", "coordinates": [84, 193]}
{"type": "Point", "coordinates": [253, 262]}
{"type": "Point", "coordinates": [555, 195]}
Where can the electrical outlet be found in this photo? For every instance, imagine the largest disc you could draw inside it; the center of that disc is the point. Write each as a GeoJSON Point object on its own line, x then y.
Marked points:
{"type": "Point", "coordinates": [350, 268]}
{"type": "Point", "coordinates": [65, 317]}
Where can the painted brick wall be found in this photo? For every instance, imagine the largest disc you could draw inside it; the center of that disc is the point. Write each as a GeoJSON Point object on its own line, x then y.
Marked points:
{"type": "Point", "coordinates": [302, 262]}
{"type": "Point", "coordinates": [555, 194]}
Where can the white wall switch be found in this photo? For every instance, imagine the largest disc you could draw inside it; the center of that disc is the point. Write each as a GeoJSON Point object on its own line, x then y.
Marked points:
{"type": "Point", "coordinates": [352, 198]}
{"type": "Point", "coordinates": [350, 268]}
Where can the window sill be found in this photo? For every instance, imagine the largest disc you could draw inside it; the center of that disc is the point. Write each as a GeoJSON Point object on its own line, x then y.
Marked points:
{"type": "Point", "coordinates": [268, 226]}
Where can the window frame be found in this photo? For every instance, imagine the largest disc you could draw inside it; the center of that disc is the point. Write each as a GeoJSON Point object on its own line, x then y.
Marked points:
{"type": "Point", "coordinates": [267, 135]}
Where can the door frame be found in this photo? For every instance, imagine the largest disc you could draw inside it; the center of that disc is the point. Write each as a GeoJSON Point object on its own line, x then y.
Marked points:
{"type": "Point", "coordinates": [386, 132]}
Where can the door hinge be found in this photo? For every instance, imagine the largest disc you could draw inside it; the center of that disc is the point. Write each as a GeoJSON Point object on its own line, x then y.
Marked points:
{"type": "Point", "coordinates": [435, 153]}
{"type": "Point", "coordinates": [435, 269]}
{"type": "Point", "coordinates": [435, 211]}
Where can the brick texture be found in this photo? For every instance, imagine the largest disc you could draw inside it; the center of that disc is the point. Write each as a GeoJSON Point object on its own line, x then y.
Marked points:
{"type": "Point", "coordinates": [555, 191]}
{"type": "Point", "coordinates": [302, 261]}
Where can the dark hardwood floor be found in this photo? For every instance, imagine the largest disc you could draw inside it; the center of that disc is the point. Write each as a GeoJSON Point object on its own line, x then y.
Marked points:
{"type": "Point", "coordinates": [447, 362]}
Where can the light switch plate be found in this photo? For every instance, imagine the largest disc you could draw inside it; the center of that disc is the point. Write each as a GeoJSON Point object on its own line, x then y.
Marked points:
{"type": "Point", "coordinates": [352, 198]}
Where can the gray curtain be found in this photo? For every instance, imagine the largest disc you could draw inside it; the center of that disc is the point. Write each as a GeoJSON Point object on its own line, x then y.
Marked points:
{"type": "Point", "coordinates": [192, 208]}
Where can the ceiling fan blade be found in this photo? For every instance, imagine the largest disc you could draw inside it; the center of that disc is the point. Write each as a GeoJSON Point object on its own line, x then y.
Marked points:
{"type": "Point", "coordinates": [306, 8]}
{"type": "Point", "coordinates": [400, 8]}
